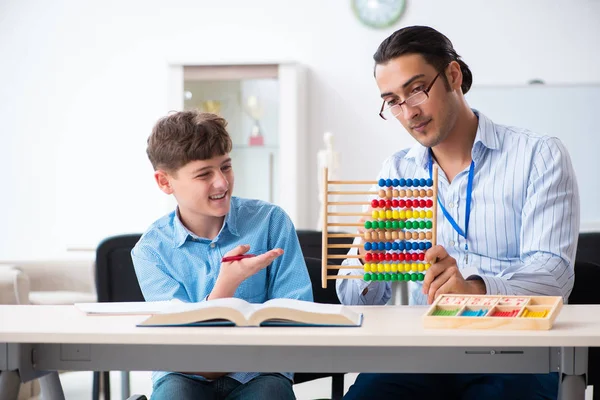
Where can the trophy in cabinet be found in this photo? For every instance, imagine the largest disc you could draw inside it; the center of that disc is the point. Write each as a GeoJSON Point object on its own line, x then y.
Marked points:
{"type": "Point", "coordinates": [255, 111]}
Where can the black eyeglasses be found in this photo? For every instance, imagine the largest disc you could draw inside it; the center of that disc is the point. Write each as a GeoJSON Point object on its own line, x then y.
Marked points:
{"type": "Point", "coordinates": [413, 100]}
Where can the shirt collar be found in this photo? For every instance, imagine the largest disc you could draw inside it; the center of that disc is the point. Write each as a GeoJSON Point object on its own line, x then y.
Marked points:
{"type": "Point", "coordinates": [486, 137]}
{"type": "Point", "coordinates": [181, 233]}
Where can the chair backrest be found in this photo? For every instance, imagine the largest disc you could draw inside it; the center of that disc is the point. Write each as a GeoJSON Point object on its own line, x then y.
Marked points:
{"type": "Point", "coordinates": [587, 276]}
{"type": "Point", "coordinates": [588, 247]}
{"type": "Point", "coordinates": [326, 296]}
{"type": "Point", "coordinates": [115, 276]}
{"type": "Point", "coordinates": [311, 243]}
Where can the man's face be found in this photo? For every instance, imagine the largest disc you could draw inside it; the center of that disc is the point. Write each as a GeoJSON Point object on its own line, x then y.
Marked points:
{"type": "Point", "coordinates": [431, 121]}
{"type": "Point", "coordinates": [202, 188]}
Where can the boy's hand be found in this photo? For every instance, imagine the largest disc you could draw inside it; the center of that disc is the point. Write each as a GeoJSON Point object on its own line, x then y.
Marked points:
{"type": "Point", "coordinates": [235, 272]}
{"type": "Point", "coordinates": [444, 276]}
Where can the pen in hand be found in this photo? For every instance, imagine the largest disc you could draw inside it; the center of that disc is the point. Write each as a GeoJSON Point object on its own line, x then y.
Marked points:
{"type": "Point", "coordinates": [237, 258]}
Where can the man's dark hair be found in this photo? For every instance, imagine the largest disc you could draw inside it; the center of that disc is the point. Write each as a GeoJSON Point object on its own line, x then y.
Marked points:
{"type": "Point", "coordinates": [435, 48]}
{"type": "Point", "coordinates": [187, 136]}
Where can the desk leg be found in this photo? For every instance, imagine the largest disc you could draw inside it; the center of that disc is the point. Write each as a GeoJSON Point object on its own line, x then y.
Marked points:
{"type": "Point", "coordinates": [573, 370]}
{"type": "Point", "coordinates": [9, 385]}
{"type": "Point", "coordinates": [399, 294]}
{"type": "Point", "coordinates": [51, 387]}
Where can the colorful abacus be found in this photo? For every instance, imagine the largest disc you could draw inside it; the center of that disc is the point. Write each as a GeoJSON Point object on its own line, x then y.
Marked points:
{"type": "Point", "coordinates": [401, 228]}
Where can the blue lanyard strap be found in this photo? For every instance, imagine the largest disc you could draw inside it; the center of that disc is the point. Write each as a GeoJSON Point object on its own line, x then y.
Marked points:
{"type": "Point", "coordinates": [468, 205]}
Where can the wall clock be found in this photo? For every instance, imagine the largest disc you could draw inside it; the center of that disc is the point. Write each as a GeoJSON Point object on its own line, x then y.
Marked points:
{"type": "Point", "coordinates": [378, 13]}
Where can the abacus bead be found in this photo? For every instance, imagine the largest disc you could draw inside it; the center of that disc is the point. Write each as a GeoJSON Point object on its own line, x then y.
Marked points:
{"type": "Point", "coordinates": [367, 235]}
{"type": "Point", "coordinates": [409, 213]}
{"type": "Point", "coordinates": [429, 192]}
{"type": "Point", "coordinates": [428, 235]}
{"type": "Point", "coordinates": [395, 246]}
{"type": "Point", "coordinates": [401, 224]}
{"type": "Point", "coordinates": [388, 224]}
{"type": "Point", "coordinates": [388, 235]}
{"type": "Point", "coordinates": [414, 256]}
{"type": "Point", "coordinates": [429, 214]}
{"type": "Point", "coordinates": [422, 214]}
{"type": "Point", "coordinates": [381, 203]}
{"type": "Point", "coordinates": [368, 256]}
{"type": "Point", "coordinates": [421, 224]}
{"type": "Point", "coordinates": [374, 203]}
{"type": "Point", "coordinates": [381, 193]}
{"type": "Point", "coordinates": [395, 224]}
{"type": "Point", "coordinates": [408, 235]}
{"type": "Point", "coordinates": [395, 214]}
{"type": "Point", "coordinates": [423, 181]}
{"type": "Point", "coordinates": [367, 246]}
{"type": "Point", "coordinates": [388, 193]}
{"type": "Point", "coordinates": [422, 246]}
{"type": "Point", "coordinates": [402, 182]}
{"type": "Point", "coordinates": [401, 246]}
{"type": "Point", "coordinates": [413, 277]}
{"type": "Point", "coordinates": [409, 203]}
{"type": "Point", "coordinates": [402, 203]}
{"type": "Point", "coordinates": [388, 204]}
{"type": "Point", "coordinates": [415, 246]}
{"type": "Point", "coordinates": [421, 235]}
{"type": "Point", "coordinates": [395, 257]}
{"type": "Point", "coordinates": [395, 193]}
{"type": "Point", "coordinates": [382, 214]}
{"type": "Point", "coordinates": [428, 224]}
{"type": "Point", "coordinates": [388, 257]}
{"type": "Point", "coordinates": [401, 256]}
{"type": "Point", "coordinates": [380, 267]}
{"type": "Point", "coordinates": [422, 203]}
{"type": "Point", "coordinates": [399, 235]}
{"type": "Point", "coordinates": [388, 246]}
{"type": "Point", "coordinates": [407, 276]}
{"type": "Point", "coordinates": [429, 182]}
{"type": "Point", "coordinates": [395, 182]}
{"type": "Point", "coordinates": [394, 277]}
{"type": "Point", "coordinates": [421, 256]}
{"type": "Point", "coordinates": [428, 203]}
{"type": "Point", "coordinates": [409, 225]}
{"type": "Point", "coordinates": [428, 245]}
{"type": "Point", "coordinates": [382, 182]}
{"type": "Point", "coordinates": [367, 276]}
{"type": "Point", "coordinates": [381, 246]}
{"type": "Point", "coordinates": [375, 214]}
{"type": "Point", "coordinates": [367, 224]}
{"type": "Point", "coordinates": [422, 193]}
{"type": "Point", "coordinates": [381, 256]}
{"type": "Point", "coordinates": [381, 235]}
{"type": "Point", "coordinates": [420, 277]}
{"type": "Point", "coordinates": [409, 182]}
{"type": "Point", "coordinates": [402, 193]}
{"type": "Point", "coordinates": [395, 203]}
{"type": "Point", "coordinates": [388, 182]}
{"type": "Point", "coordinates": [387, 277]}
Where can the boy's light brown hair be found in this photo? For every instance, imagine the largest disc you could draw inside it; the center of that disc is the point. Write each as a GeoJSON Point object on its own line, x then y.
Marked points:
{"type": "Point", "coordinates": [187, 136]}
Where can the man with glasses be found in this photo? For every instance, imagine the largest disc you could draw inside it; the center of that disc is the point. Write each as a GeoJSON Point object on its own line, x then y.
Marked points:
{"type": "Point", "coordinates": [508, 202]}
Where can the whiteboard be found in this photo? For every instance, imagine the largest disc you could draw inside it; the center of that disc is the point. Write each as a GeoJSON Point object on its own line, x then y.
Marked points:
{"type": "Point", "coordinates": [569, 113]}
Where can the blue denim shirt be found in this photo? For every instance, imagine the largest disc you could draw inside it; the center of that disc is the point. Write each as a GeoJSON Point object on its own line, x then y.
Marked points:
{"type": "Point", "coordinates": [172, 263]}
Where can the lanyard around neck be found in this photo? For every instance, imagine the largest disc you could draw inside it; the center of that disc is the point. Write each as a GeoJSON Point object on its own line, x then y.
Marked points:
{"type": "Point", "coordinates": [467, 207]}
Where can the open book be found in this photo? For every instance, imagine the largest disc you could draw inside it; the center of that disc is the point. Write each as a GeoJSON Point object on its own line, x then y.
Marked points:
{"type": "Point", "coordinates": [238, 312]}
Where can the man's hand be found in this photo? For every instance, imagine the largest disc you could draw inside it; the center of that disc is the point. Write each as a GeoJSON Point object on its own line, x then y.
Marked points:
{"type": "Point", "coordinates": [235, 272]}
{"type": "Point", "coordinates": [444, 276]}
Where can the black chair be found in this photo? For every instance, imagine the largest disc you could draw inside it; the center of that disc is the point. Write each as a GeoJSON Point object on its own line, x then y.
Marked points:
{"type": "Point", "coordinates": [587, 276]}
{"type": "Point", "coordinates": [116, 281]}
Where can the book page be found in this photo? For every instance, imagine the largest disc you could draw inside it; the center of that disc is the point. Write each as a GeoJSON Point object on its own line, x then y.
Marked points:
{"type": "Point", "coordinates": [125, 308]}
{"type": "Point", "coordinates": [242, 306]}
{"type": "Point", "coordinates": [302, 305]}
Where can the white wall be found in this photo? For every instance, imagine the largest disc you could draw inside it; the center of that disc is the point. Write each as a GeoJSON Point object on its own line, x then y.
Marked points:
{"type": "Point", "coordinates": [81, 83]}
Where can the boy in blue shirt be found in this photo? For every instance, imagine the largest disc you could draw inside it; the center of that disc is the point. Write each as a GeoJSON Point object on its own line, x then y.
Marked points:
{"type": "Point", "coordinates": [179, 256]}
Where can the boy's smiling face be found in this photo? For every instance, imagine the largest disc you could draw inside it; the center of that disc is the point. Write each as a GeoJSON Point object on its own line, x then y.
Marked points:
{"type": "Point", "coordinates": [202, 188]}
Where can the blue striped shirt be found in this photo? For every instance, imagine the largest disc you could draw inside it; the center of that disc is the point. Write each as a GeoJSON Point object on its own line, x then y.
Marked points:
{"type": "Point", "coordinates": [173, 263]}
{"type": "Point", "coordinates": [524, 221]}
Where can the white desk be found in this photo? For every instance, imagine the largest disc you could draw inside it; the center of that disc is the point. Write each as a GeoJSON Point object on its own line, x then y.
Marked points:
{"type": "Point", "coordinates": [37, 339]}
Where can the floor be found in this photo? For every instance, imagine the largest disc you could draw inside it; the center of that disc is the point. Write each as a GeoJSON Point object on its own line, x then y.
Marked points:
{"type": "Point", "coordinates": [78, 386]}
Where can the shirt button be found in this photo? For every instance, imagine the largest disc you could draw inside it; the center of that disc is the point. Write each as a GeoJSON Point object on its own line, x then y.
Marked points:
{"type": "Point", "coordinates": [212, 245]}
{"type": "Point", "coordinates": [451, 243]}
{"type": "Point", "coordinates": [451, 205]}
